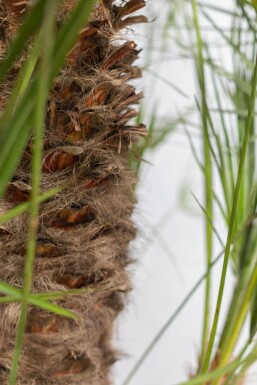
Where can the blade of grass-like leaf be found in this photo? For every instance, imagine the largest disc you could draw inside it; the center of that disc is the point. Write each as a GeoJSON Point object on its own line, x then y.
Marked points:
{"type": "Point", "coordinates": [12, 144]}
{"type": "Point", "coordinates": [237, 300]}
{"type": "Point", "coordinates": [41, 96]}
{"type": "Point", "coordinates": [10, 290]}
{"type": "Point", "coordinates": [249, 361]}
{"type": "Point", "coordinates": [238, 101]}
{"type": "Point", "coordinates": [215, 231]}
{"type": "Point", "coordinates": [62, 294]}
{"type": "Point", "coordinates": [253, 323]}
{"type": "Point", "coordinates": [228, 40]}
{"type": "Point", "coordinates": [225, 133]}
{"type": "Point", "coordinates": [170, 21]}
{"type": "Point", "coordinates": [227, 348]}
{"type": "Point", "coordinates": [222, 169]}
{"type": "Point", "coordinates": [201, 167]}
{"type": "Point", "coordinates": [231, 375]}
{"type": "Point", "coordinates": [241, 113]}
{"type": "Point", "coordinates": [246, 271]}
{"type": "Point", "coordinates": [193, 149]}
{"type": "Point", "coordinates": [229, 76]}
{"type": "Point", "coordinates": [207, 178]}
{"type": "Point", "coordinates": [137, 159]}
{"type": "Point", "coordinates": [248, 19]}
{"type": "Point", "coordinates": [21, 208]}
{"type": "Point", "coordinates": [8, 299]}
{"type": "Point", "coordinates": [30, 25]}
{"type": "Point", "coordinates": [168, 83]}
{"type": "Point", "coordinates": [215, 158]}
{"type": "Point", "coordinates": [51, 307]}
{"type": "Point", "coordinates": [16, 123]}
{"type": "Point", "coordinates": [168, 323]}
{"type": "Point", "coordinates": [52, 295]}
{"type": "Point", "coordinates": [22, 81]}
{"type": "Point", "coordinates": [223, 11]}
{"type": "Point", "coordinates": [162, 133]}
{"type": "Point", "coordinates": [68, 33]}
{"type": "Point", "coordinates": [226, 162]}
{"type": "Point", "coordinates": [15, 295]}
{"type": "Point", "coordinates": [241, 315]}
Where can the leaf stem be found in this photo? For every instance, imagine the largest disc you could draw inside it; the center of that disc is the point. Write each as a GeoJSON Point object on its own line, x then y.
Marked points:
{"type": "Point", "coordinates": [207, 181]}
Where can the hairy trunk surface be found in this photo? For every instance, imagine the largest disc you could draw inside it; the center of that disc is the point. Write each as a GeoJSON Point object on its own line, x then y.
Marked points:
{"type": "Point", "coordinates": [84, 231]}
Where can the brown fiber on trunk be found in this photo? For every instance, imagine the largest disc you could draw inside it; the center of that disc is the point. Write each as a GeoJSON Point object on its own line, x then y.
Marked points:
{"type": "Point", "coordinates": [84, 231]}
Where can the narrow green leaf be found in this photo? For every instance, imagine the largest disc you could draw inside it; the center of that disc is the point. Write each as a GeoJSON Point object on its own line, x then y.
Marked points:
{"type": "Point", "coordinates": [38, 118]}
{"type": "Point", "coordinates": [68, 33]}
{"type": "Point", "coordinates": [21, 208]}
{"type": "Point", "coordinates": [207, 170]}
{"type": "Point", "coordinates": [51, 307]}
{"type": "Point", "coordinates": [48, 296]}
{"type": "Point", "coordinates": [253, 323]}
{"type": "Point", "coordinates": [31, 24]}
{"type": "Point", "coordinates": [14, 295]}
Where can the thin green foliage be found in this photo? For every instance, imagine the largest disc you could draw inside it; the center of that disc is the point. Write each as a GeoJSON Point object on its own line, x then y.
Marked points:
{"type": "Point", "coordinates": [40, 300]}
{"type": "Point", "coordinates": [207, 179]}
{"type": "Point", "coordinates": [229, 135]}
{"type": "Point", "coordinates": [53, 295]}
{"type": "Point", "coordinates": [21, 208]}
{"type": "Point", "coordinates": [237, 198]}
{"type": "Point", "coordinates": [31, 25]}
{"type": "Point", "coordinates": [239, 193]}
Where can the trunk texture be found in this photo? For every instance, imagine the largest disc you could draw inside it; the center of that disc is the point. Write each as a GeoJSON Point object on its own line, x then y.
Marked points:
{"type": "Point", "coordinates": [84, 231]}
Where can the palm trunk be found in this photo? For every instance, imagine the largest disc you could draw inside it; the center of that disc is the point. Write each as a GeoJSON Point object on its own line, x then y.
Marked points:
{"type": "Point", "coordinates": [84, 231]}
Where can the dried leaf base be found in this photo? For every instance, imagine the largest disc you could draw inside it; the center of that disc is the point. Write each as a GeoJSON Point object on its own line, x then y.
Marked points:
{"type": "Point", "coordinates": [85, 229]}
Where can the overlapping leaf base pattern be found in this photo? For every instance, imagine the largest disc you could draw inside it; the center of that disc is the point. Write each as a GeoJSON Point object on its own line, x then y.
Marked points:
{"type": "Point", "coordinates": [84, 231]}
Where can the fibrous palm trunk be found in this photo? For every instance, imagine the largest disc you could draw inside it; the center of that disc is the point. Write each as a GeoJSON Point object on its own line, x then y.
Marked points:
{"type": "Point", "coordinates": [84, 231]}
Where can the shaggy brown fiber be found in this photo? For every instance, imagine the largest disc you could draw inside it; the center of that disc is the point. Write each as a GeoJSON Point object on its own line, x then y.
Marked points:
{"type": "Point", "coordinates": [85, 229]}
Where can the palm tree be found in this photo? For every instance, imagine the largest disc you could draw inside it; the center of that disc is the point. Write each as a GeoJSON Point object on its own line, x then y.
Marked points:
{"type": "Point", "coordinates": [83, 231]}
